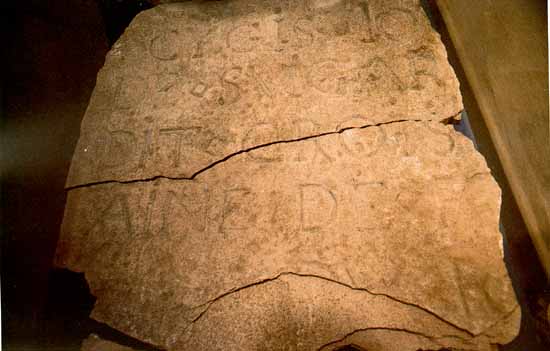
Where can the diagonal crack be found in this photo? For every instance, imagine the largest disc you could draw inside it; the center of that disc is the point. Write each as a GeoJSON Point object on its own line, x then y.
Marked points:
{"type": "Point", "coordinates": [209, 303]}
{"type": "Point", "coordinates": [236, 153]}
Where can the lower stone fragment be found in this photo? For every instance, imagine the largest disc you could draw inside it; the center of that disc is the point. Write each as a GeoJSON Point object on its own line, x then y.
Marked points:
{"type": "Point", "coordinates": [297, 312]}
{"type": "Point", "coordinates": [380, 231]}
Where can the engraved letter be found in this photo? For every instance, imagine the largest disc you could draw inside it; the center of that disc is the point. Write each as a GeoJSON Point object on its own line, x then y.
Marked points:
{"type": "Point", "coordinates": [370, 25]}
{"type": "Point", "coordinates": [179, 136]}
{"type": "Point", "coordinates": [238, 209]}
{"type": "Point", "coordinates": [262, 134]}
{"type": "Point", "coordinates": [119, 149]}
{"type": "Point", "coordinates": [396, 24]}
{"type": "Point", "coordinates": [163, 46]}
{"type": "Point", "coordinates": [365, 197]}
{"type": "Point", "coordinates": [244, 38]}
{"type": "Point", "coordinates": [187, 208]}
{"type": "Point", "coordinates": [113, 219]}
{"type": "Point", "coordinates": [360, 145]}
{"type": "Point", "coordinates": [230, 84]}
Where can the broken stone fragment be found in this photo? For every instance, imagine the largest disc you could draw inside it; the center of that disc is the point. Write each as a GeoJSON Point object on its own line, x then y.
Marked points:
{"type": "Point", "coordinates": [258, 175]}
{"type": "Point", "coordinates": [191, 83]}
{"type": "Point", "coordinates": [95, 343]}
{"type": "Point", "coordinates": [385, 232]}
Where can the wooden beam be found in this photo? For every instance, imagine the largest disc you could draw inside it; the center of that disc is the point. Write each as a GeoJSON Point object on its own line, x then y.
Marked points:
{"type": "Point", "coordinates": [503, 49]}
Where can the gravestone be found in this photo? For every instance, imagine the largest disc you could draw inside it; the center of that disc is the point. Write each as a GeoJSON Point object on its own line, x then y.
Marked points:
{"type": "Point", "coordinates": [256, 176]}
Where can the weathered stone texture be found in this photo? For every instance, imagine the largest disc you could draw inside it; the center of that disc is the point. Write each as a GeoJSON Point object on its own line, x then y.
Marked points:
{"type": "Point", "coordinates": [405, 213]}
{"type": "Point", "coordinates": [260, 175]}
{"type": "Point", "coordinates": [191, 83]}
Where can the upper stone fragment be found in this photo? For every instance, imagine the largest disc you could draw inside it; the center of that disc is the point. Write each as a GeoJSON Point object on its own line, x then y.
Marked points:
{"type": "Point", "coordinates": [191, 83]}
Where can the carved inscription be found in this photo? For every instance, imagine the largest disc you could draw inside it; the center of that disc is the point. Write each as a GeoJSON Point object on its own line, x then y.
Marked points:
{"type": "Point", "coordinates": [172, 140]}
{"type": "Point", "coordinates": [393, 24]}
{"type": "Point", "coordinates": [446, 143]}
{"type": "Point", "coordinates": [293, 80]}
{"type": "Point", "coordinates": [163, 208]}
{"type": "Point", "coordinates": [118, 149]}
{"type": "Point", "coordinates": [331, 77]}
{"type": "Point", "coordinates": [230, 83]}
{"type": "Point", "coordinates": [342, 78]}
{"type": "Point", "coordinates": [367, 23]}
{"type": "Point", "coordinates": [236, 81]}
{"type": "Point", "coordinates": [129, 92]}
{"type": "Point", "coordinates": [163, 46]}
{"type": "Point", "coordinates": [303, 35]}
{"type": "Point", "coordinates": [227, 89]}
{"type": "Point", "coordinates": [360, 147]}
{"type": "Point", "coordinates": [260, 144]}
{"type": "Point", "coordinates": [262, 134]}
{"type": "Point", "coordinates": [244, 38]}
{"type": "Point", "coordinates": [199, 89]}
{"type": "Point", "coordinates": [278, 31]}
{"type": "Point", "coordinates": [192, 202]}
{"type": "Point", "coordinates": [124, 213]}
{"type": "Point", "coordinates": [168, 75]}
{"type": "Point", "coordinates": [238, 209]}
{"type": "Point", "coordinates": [171, 147]}
{"type": "Point", "coordinates": [209, 45]}
{"type": "Point", "coordinates": [114, 217]}
{"type": "Point", "coordinates": [396, 24]}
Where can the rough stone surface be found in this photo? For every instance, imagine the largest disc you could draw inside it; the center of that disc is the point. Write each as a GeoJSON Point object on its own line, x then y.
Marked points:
{"type": "Point", "coordinates": [385, 233]}
{"type": "Point", "coordinates": [190, 83]}
{"type": "Point", "coordinates": [259, 175]}
{"type": "Point", "coordinates": [95, 343]}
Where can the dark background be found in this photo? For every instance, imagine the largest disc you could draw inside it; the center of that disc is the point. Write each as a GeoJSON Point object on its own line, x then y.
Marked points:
{"type": "Point", "coordinates": [51, 53]}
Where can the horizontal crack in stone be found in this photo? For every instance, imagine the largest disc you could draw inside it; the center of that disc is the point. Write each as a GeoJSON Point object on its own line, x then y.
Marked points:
{"type": "Point", "coordinates": [226, 158]}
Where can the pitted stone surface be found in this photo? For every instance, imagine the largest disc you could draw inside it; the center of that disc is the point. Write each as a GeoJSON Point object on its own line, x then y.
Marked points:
{"type": "Point", "coordinates": [223, 195]}
{"type": "Point", "coordinates": [385, 229]}
{"type": "Point", "coordinates": [190, 83]}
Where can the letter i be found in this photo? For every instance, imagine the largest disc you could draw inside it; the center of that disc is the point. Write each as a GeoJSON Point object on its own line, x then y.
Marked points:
{"type": "Point", "coordinates": [149, 211]}
{"type": "Point", "coordinates": [147, 150]}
